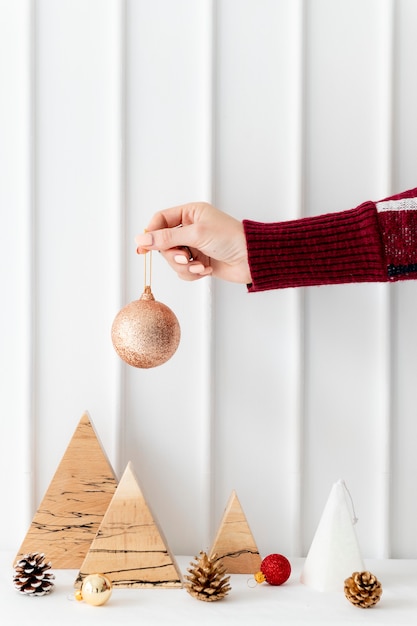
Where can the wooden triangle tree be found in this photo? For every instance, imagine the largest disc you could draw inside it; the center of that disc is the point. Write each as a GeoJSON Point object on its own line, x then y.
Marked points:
{"type": "Point", "coordinates": [129, 547]}
{"type": "Point", "coordinates": [70, 513]}
{"type": "Point", "coordinates": [234, 543]}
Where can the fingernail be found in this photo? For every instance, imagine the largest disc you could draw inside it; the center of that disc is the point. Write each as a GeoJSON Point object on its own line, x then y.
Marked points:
{"type": "Point", "coordinates": [181, 259]}
{"type": "Point", "coordinates": [144, 240]}
{"type": "Point", "coordinates": [196, 268]}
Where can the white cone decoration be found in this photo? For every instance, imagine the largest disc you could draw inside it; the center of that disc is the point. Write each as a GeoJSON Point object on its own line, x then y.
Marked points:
{"type": "Point", "coordinates": [334, 553]}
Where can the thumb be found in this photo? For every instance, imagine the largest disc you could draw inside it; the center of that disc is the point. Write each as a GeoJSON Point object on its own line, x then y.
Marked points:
{"type": "Point", "coordinates": [162, 239]}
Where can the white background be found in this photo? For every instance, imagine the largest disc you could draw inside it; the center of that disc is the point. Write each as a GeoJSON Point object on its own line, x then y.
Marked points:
{"type": "Point", "coordinates": [271, 109]}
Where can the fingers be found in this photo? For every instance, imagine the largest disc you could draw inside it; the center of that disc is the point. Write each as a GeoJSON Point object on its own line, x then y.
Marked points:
{"type": "Point", "coordinates": [180, 257]}
{"type": "Point", "coordinates": [163, 239]}
{"type": "Point", "coordinates": [185, 268]}
{"type": "Point", "coordinates": [184, 255]}
{"type": "Point", "coordinates": [171, 232]}
{"type": "Point", "coordinates": [144, 242]}
{"type": "Point", "coordinates": [181, 215]}
{"type": "Point", "coordinates": [173, 227]}
{"type": "Point", "coordinates": [169, 218]}
{"type": "Point", "coordinates": [187, 250]}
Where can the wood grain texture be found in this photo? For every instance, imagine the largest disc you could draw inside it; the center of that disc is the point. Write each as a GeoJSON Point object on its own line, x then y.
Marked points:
{"type": "Point", "coordinates": [129, 547]}
{"type": "Point", "coordinates": [234, 543]}
{"type": "Point", "coordinates": [70, 513]}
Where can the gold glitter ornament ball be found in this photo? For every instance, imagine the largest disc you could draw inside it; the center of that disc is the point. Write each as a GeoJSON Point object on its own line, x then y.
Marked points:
{"type": "Point", "coordinates": [145, 333]}
{"type": "Point", "coordinates": [96, 589]}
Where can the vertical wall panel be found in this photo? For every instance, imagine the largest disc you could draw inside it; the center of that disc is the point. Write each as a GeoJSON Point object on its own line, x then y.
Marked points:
{"type": "Point", "coordinates": [116, 278]}
{"type": "Point", "coordinates": [404, 501]}
{"type": "Point", "coordinates": [387, 62]}
{"type": "Point", "coordinates": [347, 359]}
{"type": "Point", "coordinates": [297, 23]}
{"type": "Point", "coordinates": [207, 390]}
{"type": "Point", "coordinates": [405, 95]}
{"type": "Point", "coordinates": [404, 466]}
{"type": "Point", "coordinates": [257, 125]}
{"type": "Point", "coordinates": [78, 197]}
{"type": "Point", "coordinates": [17, 266]}
{"type": "Point", "coordinates": [167, 152]}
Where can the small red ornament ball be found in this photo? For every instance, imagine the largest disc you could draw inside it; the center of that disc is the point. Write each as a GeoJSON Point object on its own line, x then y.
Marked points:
{"type": "Point", "coordinates": [275, 569]}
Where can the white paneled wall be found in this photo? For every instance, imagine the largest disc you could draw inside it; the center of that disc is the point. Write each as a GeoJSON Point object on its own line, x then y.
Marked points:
{"type": "Point", "coordinates": [272, 109]}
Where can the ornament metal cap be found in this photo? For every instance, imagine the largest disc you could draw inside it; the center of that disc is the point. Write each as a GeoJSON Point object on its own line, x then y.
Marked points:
{"type": "Point", "coordinates": [259, 577]}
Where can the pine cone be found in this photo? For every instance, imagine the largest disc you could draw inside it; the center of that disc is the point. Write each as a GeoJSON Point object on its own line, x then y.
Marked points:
{"type": "Point", "coordinates": [32, 576]}
{"type": "Point", "coordinates": [363, 589]}
{"type": "Point", "coordinates": [207, 580]}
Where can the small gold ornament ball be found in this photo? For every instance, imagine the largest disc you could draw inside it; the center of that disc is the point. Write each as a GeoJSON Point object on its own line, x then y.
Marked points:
{"type": "Point", "coordinates": [95, 590]}
{"type": "Point", "coordinates": [145, 333]}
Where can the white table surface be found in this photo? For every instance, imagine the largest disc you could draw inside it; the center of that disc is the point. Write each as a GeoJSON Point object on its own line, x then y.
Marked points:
{"type": "Point", "coordinates": [287, 605]}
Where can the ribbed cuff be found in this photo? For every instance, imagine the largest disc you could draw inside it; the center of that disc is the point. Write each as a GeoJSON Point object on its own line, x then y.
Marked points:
{"type": "Point", "coordinates": [335, 248]}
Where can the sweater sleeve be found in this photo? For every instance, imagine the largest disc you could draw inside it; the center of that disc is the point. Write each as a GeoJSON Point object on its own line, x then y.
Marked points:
{"type": "Point", "coordinates": [374, 242]}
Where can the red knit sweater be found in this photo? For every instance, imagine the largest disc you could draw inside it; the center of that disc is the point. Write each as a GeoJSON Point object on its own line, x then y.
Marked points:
{"type": "Point", "coordinates": [375, 242]}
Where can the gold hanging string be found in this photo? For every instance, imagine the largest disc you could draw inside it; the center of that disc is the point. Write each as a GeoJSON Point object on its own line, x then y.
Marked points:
{"type": "Point", "coordinates": [148, 276]}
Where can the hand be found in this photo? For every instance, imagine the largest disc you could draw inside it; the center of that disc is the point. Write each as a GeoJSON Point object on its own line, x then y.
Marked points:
{"type": "Point", "coordinates": [198, 240]}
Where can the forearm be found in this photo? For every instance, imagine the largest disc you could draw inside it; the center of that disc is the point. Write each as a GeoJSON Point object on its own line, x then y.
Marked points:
{"type": "Point", "coordinates": [375, 242]}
